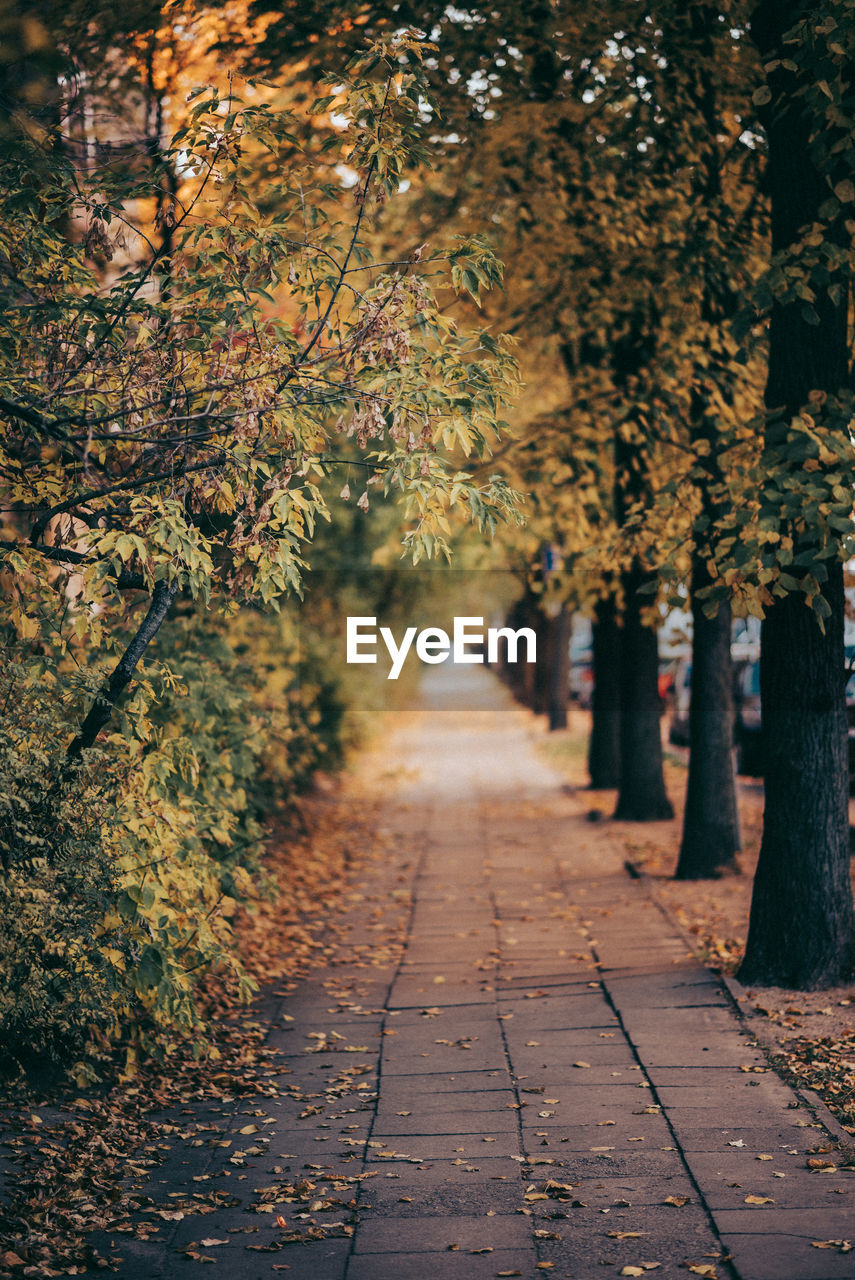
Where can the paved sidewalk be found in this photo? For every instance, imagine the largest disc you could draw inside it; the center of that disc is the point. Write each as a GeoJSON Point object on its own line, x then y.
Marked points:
{"type": "Point", "coordinates": [543, 1081]}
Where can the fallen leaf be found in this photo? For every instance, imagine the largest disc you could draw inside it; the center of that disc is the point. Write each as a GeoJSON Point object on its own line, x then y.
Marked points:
{"type": "Point", "coordinates": [582, 1064]}
{"type": "Point", "coordinates": [758, 1200]}
{"type": "Point", "coordinates": [210, 1242]}
{"type": "Point", "coordinates": [677, 1201]}
{"type": "Point", "coordinates": [625, 1235]}
{"type": "Point", "coordinates": [250, 1128]}
{"type": "Point", "coordinates": [843, 1246]}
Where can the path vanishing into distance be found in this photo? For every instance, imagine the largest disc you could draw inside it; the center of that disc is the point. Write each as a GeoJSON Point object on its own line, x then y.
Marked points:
{"type": "Point", "coordinates": [514, 1068]}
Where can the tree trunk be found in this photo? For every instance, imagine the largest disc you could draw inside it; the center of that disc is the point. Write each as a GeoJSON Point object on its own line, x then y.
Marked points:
{"type": "Point", "coordinates": [559, 669]}
{"type": "Point", "coordinates": [800, 931]}
{"type": "Point", "coordinates": [540, 692]}
{"type": "Point", "coordinates": [120, 677]}
{"type": "Point", "coordinates": [710, 821]}
{"type": "Point", "coordinates": [642, 796]}
{"type": "Point", "coordinates": [604, 742]}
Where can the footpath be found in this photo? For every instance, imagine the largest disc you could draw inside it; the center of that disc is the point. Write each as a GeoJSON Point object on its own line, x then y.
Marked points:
{"type": "Point", "coordinates": [518, 1069]}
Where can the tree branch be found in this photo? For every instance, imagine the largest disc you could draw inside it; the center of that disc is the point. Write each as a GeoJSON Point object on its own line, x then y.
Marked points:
{"type": "Point", "coordinates": [125, 579]}
{"type": "Point", "coordinates": [120, 677]}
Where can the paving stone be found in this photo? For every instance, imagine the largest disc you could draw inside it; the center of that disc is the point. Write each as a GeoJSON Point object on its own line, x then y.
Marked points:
{"type": "Point", "coordinates": [457, 1265]}
{"type": "Point", "coordinates": [469, 1147]}
{"type": "Point", "coordinates": [787, 1258]}
{"type": "Point", "coordinates": [438, 1233]}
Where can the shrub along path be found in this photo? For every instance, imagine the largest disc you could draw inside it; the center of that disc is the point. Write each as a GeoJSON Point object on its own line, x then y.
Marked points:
{"type": "Point", "coordinates": [512, 1068]}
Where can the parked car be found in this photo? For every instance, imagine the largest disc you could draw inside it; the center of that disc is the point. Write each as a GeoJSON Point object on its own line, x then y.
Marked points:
{"type": "Point", "coordinates": [681, 696]}
{"type": "Point", "coordinates": [747, 736]}
{"type": "Point", "coordinates": [746, 731]}
{"type": "Point", "coordinates": [581, 663]}
{"type": "Point", "coordinates": [850, 711]}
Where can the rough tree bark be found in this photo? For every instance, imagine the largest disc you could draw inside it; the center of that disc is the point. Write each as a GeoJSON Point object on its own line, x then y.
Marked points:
{"type": "Point", "coordinates": [604, 742]}
{"type": "Point", "coordinates": [559, 669]}
{"type": "Point", "coordinates": [120, 677]}
{"type": "Point", "coordinates": [710, 839]}
{"type": "Point", "coordinates": [642, 796]}
{"type": "Point", "coordinates": [545, 639]}
{"type": "Point", "coordinates": [800, 931]}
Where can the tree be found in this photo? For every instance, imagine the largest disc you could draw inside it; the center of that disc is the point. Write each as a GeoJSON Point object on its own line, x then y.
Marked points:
{"type": "Point", "coordinates": [604, 740]}
{"type": "Point", "coordinates": [167, 423]}
{"type": "Point", "coordinates": [726, 218]}
{"type": "Point", "coordinates": [801, 926]}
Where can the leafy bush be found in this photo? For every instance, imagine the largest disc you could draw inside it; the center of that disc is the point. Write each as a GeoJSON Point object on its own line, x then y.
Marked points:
{"type": "Point", "coordinates": [123, 875]}
{"type": "Point", "coordinates": [58, 987]}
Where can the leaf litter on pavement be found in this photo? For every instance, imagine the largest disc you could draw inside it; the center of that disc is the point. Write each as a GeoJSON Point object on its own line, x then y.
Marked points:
{"type": "Point", "coordinates": [810, 1037]}
{"type": "Point", "coordinates": [86, 1163]}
